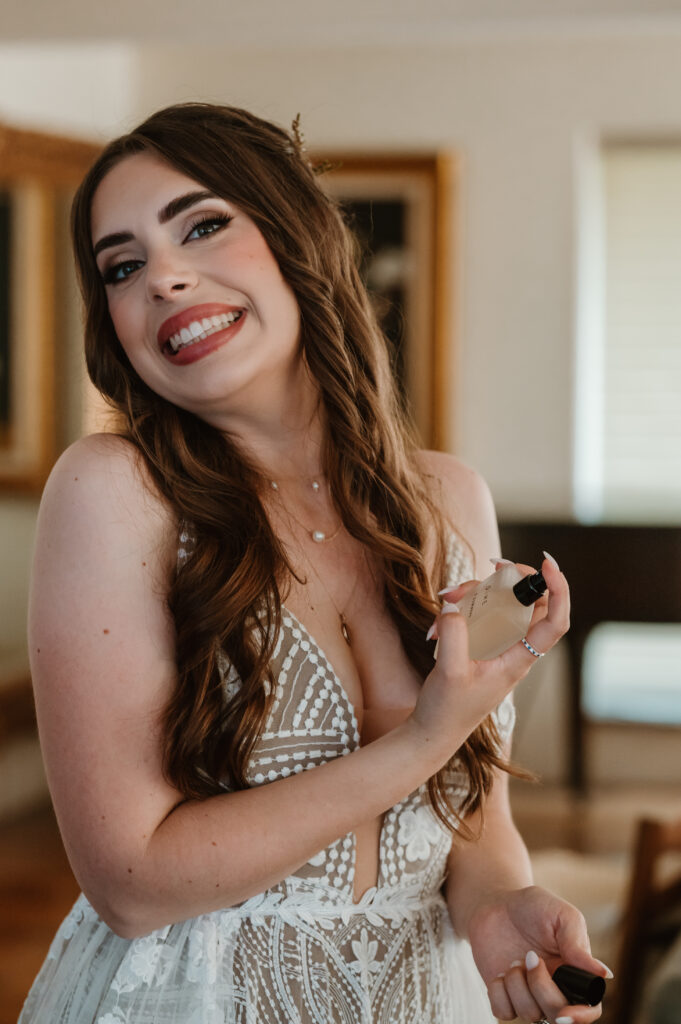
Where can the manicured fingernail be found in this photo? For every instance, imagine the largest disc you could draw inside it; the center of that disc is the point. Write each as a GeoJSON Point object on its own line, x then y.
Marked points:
{"type": "Point", "coordinates": [531, 960]}
{"type": "Point", "coordinates": [517, 963]}
{"type": "Point", "coordinates": [501, 561]}
{"type": "Point", "coordinates": [565, 1020]}
{"type": "Point", "coordinates": [445, 590]}
{"type": "Point", "coordinates": [431, 632]}
{"type": "Point", "coordinates": [502, 974]}
{"type": "Point", "coordinates": [551, 559]}
{"type": "Point", "coordinates": [608, 973]}
{"type": "Point", "coordinates": [448, 607]}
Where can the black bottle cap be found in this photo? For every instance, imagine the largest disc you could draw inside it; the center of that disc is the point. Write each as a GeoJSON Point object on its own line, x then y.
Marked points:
{"type": "Point", "coordinates": [579, 987]}
{"type": "Point", "coordinates": [530, 588]}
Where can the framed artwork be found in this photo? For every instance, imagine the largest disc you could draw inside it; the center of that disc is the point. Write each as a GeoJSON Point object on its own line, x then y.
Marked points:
{"type": "Point", "coordinates": [34, 167]}
{"type": "Point", "coordinates": [402, 209]}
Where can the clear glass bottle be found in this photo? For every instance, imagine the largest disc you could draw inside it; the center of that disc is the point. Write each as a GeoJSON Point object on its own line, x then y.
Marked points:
{"type": "Point", "coordinates": [498, 611]}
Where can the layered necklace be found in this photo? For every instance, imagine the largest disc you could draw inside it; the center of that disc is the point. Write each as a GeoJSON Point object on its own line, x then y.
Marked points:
{"type": "Point", "coordinates": [321, 537]}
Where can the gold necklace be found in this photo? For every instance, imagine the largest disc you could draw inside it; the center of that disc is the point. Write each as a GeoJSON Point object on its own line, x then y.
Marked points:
{"type": "Point", "coordinates": [319, 537]}
{"type": "Point", "coordinates": [342, 621]}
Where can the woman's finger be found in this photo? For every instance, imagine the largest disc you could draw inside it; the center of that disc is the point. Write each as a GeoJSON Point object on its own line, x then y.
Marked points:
{"type": "Point", "coordinates": [498, 999]}
{"type": "Point", "coordinates": [450, 596]}
{"type": "Point", "coordinates": [455, 591]}
{"type": "Point", "coordinates": [451, 649]}
{"type": "Point", "coordinates": [545, 992]}
{"type": "Point", "coordinates": [542, 635]}
{"type": "Point", "coordinates": [522, 999]}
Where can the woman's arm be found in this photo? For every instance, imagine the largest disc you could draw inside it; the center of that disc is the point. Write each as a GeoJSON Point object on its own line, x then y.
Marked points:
{"type": "Point", "coordinates": [498, 859]}
{"type": "Point", "coordinates": [519, 933]}
{"type": "Point", "coordinates": [102, 658]}
{"type": "Point", "coordinates": [494, 863]}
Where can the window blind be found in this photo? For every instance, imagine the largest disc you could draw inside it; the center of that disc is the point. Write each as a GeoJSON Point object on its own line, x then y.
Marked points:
{"type": "Point", "coordinates": [641, 443]}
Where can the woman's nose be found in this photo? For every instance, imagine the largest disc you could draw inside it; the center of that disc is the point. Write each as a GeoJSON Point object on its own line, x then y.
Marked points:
{"type": "Point", "coordinates": [167, 275]}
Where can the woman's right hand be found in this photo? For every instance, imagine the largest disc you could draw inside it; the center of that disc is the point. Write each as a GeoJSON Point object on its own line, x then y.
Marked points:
{"type": "Point", "coordinates": [459, 693]}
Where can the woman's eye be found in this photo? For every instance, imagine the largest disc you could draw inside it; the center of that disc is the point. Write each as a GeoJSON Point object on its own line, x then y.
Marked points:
{"type": "Point", "coordinates": [119, 271]}
{"type": "Point", "coordinates": [207, 226]}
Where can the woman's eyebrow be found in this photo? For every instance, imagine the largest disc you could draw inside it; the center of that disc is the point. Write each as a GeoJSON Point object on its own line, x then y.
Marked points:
{"type": "Point", "coordinates": [166, 213]}
{"type": "Point", "coordinates": [182, 203]}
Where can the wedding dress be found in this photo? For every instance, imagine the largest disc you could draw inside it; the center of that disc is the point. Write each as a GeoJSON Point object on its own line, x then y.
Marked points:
{"type": "Point", "coordinates": [303, 951]}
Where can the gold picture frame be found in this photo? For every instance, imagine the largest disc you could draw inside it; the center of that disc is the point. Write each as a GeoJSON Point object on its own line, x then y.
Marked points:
{"type": "Point", "coordinates": [403, 208]}
{"type": "Point", "coordinates": [34, 168]}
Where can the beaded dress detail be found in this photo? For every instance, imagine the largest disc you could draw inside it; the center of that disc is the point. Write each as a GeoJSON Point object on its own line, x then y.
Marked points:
{"type": "Point", "coordinates": [302, 952]}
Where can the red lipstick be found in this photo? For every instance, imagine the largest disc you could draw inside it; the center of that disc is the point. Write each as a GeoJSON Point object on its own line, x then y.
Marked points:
{"type": "Point", "coordinates": [192, 346]}
{"type": "Point", "coordinates": [188, 316]}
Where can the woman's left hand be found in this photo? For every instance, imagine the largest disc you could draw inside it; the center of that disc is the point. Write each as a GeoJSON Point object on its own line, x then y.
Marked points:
{"type": "Point", "coordinates": [514, 924]}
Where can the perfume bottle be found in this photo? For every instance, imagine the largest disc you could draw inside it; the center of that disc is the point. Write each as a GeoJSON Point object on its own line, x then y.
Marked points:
{"type": "Point", "coordinates": [498, 611]}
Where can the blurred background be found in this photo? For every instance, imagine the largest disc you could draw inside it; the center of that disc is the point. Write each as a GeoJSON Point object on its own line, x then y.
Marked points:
{"type": "Point", "coordinates": [514, 170]}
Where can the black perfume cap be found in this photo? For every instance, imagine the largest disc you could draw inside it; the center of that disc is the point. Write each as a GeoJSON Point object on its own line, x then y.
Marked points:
{"type": "Point", "coordinates": [578, 986]}
{"type": "Point", "coordinates": [530, 588]}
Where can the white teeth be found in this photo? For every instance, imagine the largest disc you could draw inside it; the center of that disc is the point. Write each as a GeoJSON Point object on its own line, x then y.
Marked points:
{"type": "Point", "coordinates": [198, 331]}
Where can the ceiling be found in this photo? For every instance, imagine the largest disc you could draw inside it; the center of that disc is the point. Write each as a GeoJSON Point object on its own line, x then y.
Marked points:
{"type": "Point", "coordinates": [277, 23]}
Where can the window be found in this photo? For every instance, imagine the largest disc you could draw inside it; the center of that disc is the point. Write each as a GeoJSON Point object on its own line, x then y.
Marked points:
{"type": "Point", "coordinates": [628, 416]}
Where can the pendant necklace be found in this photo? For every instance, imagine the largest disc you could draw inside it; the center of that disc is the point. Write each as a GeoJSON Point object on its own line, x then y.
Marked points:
{"type": "Point", "coordinates": [320, 537]}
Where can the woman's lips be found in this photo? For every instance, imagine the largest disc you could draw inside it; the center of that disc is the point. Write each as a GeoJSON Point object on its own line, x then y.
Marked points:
{"type": "Point", "coordinates": [203, 346]}
{"type": "Point", "coordinates": [194, 314]}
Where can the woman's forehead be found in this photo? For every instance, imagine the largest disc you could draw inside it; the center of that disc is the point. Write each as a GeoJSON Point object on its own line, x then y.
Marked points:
{"type": "Point", "coordinates": [140, 184]}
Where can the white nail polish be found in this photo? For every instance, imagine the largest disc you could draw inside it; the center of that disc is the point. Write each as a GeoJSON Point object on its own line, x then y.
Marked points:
{"type": "Point", "coordinates": [565, 1020]}
{"type": "Point", "coordinates": [608, 973]}
{"type": "Point", "coordinates": [449, 607]}
{"type": "Point", "coordinates": [501, 561]}
{"type": "Point", "coordinates": [431, 632]}
{"type": "Point", "coordinates": [445, 590]}
{"type": "Point", "coordinates": [531, 960]}
{"type": "Point", "coordinates": [517, 963]}
{"type": "Point", "coordinates": [551, 559]}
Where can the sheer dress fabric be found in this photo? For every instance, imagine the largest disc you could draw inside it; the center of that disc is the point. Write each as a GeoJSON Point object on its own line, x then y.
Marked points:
{"type": "Point", "coordinates": [302, 952]}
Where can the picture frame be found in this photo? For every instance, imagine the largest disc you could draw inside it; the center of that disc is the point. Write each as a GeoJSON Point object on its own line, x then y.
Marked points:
{"type": "Point", "coordinates": [403, 209]}
{"type": "Point", "coordinates": [35, 169]}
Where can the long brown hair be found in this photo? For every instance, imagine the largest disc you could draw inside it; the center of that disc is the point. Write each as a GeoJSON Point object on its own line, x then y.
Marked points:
{"type": "Point", "coordinates": [225, 599]}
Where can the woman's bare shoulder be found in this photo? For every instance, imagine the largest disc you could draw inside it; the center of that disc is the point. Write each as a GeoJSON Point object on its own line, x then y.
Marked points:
{"type": "Point", "coordinates": [104, 476]}
{"type": "Point", "coordinates": [101, 457]}
{"type": "Point", "coordinates": [465, 500]}
{"type": "Point", "coordinates": [455, 484]}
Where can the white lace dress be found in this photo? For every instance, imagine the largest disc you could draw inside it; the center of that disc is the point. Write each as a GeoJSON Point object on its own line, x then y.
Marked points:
{"type": "Point", "coordinates": [302, 952]}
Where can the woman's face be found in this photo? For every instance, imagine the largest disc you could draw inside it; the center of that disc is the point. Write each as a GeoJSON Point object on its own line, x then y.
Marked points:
{"type": "Point", "coordinates": [196, 296]}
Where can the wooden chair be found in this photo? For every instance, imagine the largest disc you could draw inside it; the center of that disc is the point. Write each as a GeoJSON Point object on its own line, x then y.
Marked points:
{"type": "Point", "coordinates": [652, 914]}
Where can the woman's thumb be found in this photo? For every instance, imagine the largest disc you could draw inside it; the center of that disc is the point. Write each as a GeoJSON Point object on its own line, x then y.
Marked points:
{"type": "Point", "coordinates": [452, 644]}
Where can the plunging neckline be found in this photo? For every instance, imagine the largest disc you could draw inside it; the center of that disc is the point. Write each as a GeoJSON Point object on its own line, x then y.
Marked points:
{"type": "Point", "coordinates": [380, 872]}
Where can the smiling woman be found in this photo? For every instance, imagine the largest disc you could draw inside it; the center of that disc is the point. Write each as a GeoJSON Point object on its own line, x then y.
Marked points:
{"type": "Point", "coordinates": [274, 809]}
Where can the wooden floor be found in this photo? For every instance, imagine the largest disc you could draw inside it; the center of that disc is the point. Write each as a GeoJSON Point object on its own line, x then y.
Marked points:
{"type": "Point", "coordinates": [37, 888]}
{"type": "Point", "coordinates": [36, 891]}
